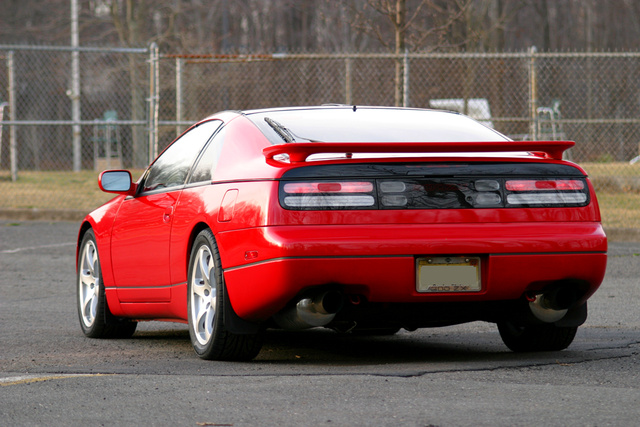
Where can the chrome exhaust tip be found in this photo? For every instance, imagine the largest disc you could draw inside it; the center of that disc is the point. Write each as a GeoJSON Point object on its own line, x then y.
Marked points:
{"type": "Point", "coordinates": [310, 312]}
{"type": "Point", "coordinates": [553, 304]}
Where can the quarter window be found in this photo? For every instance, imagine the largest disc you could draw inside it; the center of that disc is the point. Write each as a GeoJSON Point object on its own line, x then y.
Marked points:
{"type": "Point", "coordinates": [173, 165]}
{"type": "Point", "coordinates": [203, 171]}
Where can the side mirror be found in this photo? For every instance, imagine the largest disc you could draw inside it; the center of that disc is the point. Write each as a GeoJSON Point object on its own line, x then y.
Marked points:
{"type": "Point", "coordinates": [116, 181]}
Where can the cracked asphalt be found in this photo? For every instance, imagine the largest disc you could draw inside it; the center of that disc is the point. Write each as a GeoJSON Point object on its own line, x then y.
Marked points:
{"type": "Point", "coordinates": [50, 374]}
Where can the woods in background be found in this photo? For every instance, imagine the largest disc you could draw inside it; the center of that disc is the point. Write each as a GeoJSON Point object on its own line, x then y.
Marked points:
{"type": "Point", "coordinates": [329, 26]}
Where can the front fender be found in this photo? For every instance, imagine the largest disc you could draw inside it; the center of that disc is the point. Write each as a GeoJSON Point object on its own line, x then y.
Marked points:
{"type": "Point", "coordinates": [101, 221]}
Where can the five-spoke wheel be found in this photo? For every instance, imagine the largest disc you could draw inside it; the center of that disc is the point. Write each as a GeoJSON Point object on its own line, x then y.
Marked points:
{"type": "Point", "coordinates": [95, 319]}
{"type": "Point", "coordinates": [203, 295]}
{"type": "Point", "coordinates": [209, 336]}
{"type": "Point", "coordinates": [88, 283]}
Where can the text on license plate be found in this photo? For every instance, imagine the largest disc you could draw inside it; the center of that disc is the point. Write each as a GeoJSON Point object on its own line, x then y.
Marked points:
{"type": "Point", "coordinates": [448, 274]}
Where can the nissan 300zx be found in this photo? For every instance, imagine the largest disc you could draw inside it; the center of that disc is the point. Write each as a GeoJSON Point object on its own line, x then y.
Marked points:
{"type": "Point", "coordinates": [358, 219]}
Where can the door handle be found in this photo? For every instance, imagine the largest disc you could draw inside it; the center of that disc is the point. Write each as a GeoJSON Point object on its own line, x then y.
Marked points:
{"type": "Point", "coordinates": [167, 215]}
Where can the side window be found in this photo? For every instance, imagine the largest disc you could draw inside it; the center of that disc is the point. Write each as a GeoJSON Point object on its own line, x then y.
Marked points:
{"type": "Point", "coordinates": [173, 165]}
{"type": "Point", "coordinates": [209, 159]}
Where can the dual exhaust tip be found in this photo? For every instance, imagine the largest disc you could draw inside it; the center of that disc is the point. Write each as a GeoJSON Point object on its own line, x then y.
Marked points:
{"type": "Point", "coordinates": [319, 309]}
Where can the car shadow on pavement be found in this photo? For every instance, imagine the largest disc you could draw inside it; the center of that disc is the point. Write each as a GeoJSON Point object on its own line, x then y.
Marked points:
{"type": "Point", "coordinates": [328, 347]}
{"type": "Point", "coordinates": [324, 348]}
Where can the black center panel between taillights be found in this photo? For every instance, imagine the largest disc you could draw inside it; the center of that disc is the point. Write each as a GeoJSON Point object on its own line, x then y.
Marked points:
{"type": "Point", "coordinates": [433, 186]}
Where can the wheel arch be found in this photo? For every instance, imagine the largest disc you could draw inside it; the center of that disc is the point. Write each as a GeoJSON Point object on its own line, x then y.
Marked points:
{"type": "Point", "coordinates": [86, 225]}
{"type": "Point", "coordinates": [231, 321]}
{"type": "Point", "coordinates": [197, 228]}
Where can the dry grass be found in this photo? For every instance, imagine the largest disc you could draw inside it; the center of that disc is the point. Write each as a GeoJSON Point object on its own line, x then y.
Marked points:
{"type": "Point", "coordinates": [74, 191]}
{"type": "Point", "coordinates": [618, 188]}
{"type": "Point", "coordinates": [52, 190]}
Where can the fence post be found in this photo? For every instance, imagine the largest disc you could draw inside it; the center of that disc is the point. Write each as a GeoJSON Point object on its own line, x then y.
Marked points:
{"type": "Point", "coordinates": [75, 90]}
{"type": "Point", "coordinates": [533, 95]}
{"type": "Point", "coordinates": [13, 156]}
{"type": "Point", "coordinates": [154, 77]}
{"type": "Point", "coordinates": [179, 62]}
{"type": "Point", "coordinates": [2, 107]}
{"type": "Point", "coordinates": [405, 86]}
{"type": "Point", "coordinates": [347, 81]}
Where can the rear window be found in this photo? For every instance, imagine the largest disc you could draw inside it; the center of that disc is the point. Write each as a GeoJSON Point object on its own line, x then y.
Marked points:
{"type": "Point", "coordinates": [367, 124]}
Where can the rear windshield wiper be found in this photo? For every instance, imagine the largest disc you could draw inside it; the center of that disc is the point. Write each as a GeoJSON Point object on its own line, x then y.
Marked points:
{"type": "Point", "coordinates": [282, 131]}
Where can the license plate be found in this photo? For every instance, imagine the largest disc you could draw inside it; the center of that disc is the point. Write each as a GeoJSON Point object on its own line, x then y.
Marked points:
{"type": "Point", "coordinates": [448, 274]}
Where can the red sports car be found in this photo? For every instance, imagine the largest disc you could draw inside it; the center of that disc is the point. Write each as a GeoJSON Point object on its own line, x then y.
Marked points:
{"type": "Point", "coordinates": [352, 218]}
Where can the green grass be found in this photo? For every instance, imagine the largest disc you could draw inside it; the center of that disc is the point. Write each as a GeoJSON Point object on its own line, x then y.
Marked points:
{"type": "Point", "coordinates": [617, 186]}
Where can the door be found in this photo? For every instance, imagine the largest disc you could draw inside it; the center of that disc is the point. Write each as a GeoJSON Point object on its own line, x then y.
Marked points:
{"type": "Point", "coordinates": [141, 233]}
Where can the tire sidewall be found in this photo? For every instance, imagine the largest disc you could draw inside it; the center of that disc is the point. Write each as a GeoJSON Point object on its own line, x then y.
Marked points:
{"type": "Point", "coordinates": [534, 338]}
{"type": "Point", "coordinates": [208, 350]}
{"type": "Point", "coordinates": [97, 327]}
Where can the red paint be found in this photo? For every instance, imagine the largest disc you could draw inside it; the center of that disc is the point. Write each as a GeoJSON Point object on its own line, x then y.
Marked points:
{"type": "Point", "coordinates": [269, 254]}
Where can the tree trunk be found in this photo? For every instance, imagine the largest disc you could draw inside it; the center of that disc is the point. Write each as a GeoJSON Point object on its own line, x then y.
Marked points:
{"type": "Point", "coordinates": [129, 31]}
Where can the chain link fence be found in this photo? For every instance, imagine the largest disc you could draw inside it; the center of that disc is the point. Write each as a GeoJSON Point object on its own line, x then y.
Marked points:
{"type": "Point", "coordinates": [135, 101]}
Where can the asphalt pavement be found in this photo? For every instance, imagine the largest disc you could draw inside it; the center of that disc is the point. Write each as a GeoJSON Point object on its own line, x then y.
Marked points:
{"type": "Point", "coordinates": [50, 374]}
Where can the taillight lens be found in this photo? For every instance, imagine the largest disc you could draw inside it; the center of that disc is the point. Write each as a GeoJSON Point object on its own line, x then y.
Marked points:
{"type": "Point", "coordinates": [547, 192]}
{"type": "Point", "coordinates": [433, 193]}
{"type": "Point", "coordinates": [328, 195]}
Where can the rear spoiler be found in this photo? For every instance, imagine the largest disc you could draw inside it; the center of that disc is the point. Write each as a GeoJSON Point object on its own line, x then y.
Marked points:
{"type": "Point", "coordinates": [298, 152]}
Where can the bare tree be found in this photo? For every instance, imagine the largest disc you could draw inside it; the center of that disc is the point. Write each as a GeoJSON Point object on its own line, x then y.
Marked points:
{"type": "Point", "coordinates": [414, 25]}
{"type": "Point", "coordinates": [129, 20]}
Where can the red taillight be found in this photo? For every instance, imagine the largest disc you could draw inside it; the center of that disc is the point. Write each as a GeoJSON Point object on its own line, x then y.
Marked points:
{"type": "Point", "coordinates": [545, 185]}
{"type": "Point", "coordinates": [328, 195]}
{"type": "Point", "coordinates": [328, 187]}
{"type": "Point", "coordinates": [546, 192]}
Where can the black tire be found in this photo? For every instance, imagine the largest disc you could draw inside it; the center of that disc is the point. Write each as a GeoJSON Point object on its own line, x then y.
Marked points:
{"type": "Point", "coordinates": [205, 305]}
{"type": "Point", "coordinates": [533, 338]}
{"type": "Point", "coordinates": [96, 321]}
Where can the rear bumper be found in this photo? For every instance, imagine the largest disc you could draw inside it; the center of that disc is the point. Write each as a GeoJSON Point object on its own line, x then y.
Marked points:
{"type": "Point", "coordinates": [379, 262]}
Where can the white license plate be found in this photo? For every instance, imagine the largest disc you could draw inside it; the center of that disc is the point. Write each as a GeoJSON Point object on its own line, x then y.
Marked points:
{"type": "Point", "coordinates": [448, 274]}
